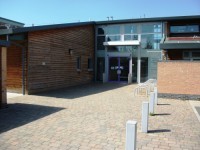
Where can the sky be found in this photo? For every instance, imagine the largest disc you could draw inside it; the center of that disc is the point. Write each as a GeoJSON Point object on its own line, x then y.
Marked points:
{"type": "Point", "coordinates": [42, 12]}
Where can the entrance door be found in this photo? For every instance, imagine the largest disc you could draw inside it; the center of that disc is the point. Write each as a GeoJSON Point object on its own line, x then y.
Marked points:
{"type": "Point", "coordinates": [118, 68]}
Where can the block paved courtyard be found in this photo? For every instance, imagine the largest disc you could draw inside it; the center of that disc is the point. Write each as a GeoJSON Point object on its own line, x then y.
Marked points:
{"type": "Point", "coordinates": [94, 117]}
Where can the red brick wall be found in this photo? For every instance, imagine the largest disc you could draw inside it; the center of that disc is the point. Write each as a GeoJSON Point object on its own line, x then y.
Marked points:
{"type": "Point", "coordinates": [179, 77]}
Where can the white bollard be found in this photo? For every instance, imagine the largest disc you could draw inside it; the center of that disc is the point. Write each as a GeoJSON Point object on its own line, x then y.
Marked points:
{"type": "Point", "coordinates": [156, 95]}
{"type": "Point", "coordinates": [131, 132]}
{"type": "Point", "coordinates": [151, 103]}
{"type": "Point", "coordinates": [145, 116]}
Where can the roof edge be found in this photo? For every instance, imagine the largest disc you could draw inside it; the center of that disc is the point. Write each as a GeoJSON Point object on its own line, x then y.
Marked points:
{"type": "Point", "coordinates": [135, 20]}
{"type": "Point", "coordinates": [48, 27]}
{"type": "Point", "coordinates": [12, 22]}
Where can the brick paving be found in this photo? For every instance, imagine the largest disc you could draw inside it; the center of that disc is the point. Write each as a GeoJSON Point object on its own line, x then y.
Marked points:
{"type": "Point", "coordinates": [94, 117]}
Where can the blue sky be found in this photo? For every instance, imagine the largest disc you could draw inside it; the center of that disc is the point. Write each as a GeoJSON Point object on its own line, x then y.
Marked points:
{"type": "Point", "coordinates": [39, 12]}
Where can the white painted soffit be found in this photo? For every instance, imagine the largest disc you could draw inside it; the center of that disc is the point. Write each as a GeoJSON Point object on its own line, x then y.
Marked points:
{"type": "Point", "coordinates": [121, 43]}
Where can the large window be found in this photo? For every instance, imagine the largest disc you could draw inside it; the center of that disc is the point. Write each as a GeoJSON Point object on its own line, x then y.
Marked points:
{"type": "Point", "coordinates": [130, 29]}
{"type": "Point", "coordinates": [150, 41]}
{"type": "Point", "coordinates": [115, 29]}
{"type": "Point", "coordinates": [184, 29]}
{"type": "Point", "coordinates": [151, 28]}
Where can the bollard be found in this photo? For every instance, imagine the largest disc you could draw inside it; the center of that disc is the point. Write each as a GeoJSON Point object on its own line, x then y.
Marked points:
{"type": "Point", "coordinates": [131, 131]}
{"type": "Point", "coordinates": [145, 116]}
{"type": "Point", "coordinates": [151, 103]}
{"type": "Point", "coordinates": [156, 95]}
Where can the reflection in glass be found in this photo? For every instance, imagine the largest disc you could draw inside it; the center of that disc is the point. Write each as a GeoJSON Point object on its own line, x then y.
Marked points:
{"type": "Point", "coordinates": [113, 29]}
{"type": "Point", "coordinates": [122, 48]}
{"type": "Point", "coordinates": [151, 28]}
{"type": "Point", "coordinates": [113, 38]}
{"type": "Point", "coordinates": [150, 41]}
{"type": "Point", "coordinates": [130, 29]}
{"type": "Point", "coordinates": [130, 37]}
{"type": "Point", "coordinates": [184, 29]}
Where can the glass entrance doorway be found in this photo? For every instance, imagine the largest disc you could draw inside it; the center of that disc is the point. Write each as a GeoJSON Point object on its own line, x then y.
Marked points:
{"type": "Point", "coordinates": [118, 69]}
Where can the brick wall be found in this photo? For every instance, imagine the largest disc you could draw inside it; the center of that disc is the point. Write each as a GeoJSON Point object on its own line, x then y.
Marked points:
{"type": "Point", "coordinates": [179, 77]}
{"type": "Point", "coordinates": [50, 66]}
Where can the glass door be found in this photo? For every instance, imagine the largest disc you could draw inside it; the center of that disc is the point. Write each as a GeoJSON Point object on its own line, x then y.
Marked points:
{"type": "Point", "coordinates": [118, 68]}
{"type": "Point", "coordinates": [124, 67]}
{"type": "Point", "coordinates": [113, 68]}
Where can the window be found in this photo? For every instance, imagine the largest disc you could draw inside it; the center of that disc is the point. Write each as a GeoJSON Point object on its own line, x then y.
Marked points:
{"type": "Point", "coordinates": [151, 28]}
{"type": "Point", "coordinates": [100, 40]}
{"type": "Point", "coordinates": [101, 31]}
{"type": "Point", "coordinates": [90, 64]}
{"type": "Point", "coordinates": [115, 29]}
{"type": "Point", "coordinates": [184, 29]}
{"type": "Point", "coordinates": [130, 29]}
{"type": "Point", "coordinates": [150, 41]}
{"type": "Point", "coordinates": [191, 55]}
{"type": "Point", "coordinates": [113, 38]}
{"type": "Point", "coordinates": [78, 63]}
{"type": "Point", "coordinates": [130, 37]}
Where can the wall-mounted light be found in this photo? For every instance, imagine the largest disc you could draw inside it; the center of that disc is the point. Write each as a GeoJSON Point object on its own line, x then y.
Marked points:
{"type": "Point", "coordinates": [71, 51]}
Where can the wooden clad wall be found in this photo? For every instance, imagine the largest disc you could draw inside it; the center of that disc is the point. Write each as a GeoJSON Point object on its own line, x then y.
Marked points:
{"type": "Point", "coordinates": [3, 66]}
{"type": "Point", "coordinates": [50, 66]}
{"type": "Point", "coordinates": [14, 69]}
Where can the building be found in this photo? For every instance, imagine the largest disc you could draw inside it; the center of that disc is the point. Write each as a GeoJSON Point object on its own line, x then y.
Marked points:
{"type": "Point", "coordinates": [6, 26]}
{"type": "Point", "coordinates": [48, 57]}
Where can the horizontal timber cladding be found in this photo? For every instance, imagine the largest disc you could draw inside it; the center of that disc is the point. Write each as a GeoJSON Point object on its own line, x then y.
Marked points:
{"type": "Point", "coordinates": [50, 65]}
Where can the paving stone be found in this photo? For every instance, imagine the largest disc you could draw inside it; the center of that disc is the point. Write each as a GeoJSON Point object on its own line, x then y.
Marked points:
{"type": "Point", "coordinates": [94, 117]}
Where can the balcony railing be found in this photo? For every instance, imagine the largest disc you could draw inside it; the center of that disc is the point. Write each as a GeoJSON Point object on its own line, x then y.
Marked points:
{"type": "Point", "coordinates": [123, 37]}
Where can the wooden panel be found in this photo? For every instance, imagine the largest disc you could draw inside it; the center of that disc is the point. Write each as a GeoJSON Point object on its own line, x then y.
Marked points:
{"type": "Point", "coordinates": [3, 94]}
{"type": "Point", "coordinates": [14, 69]}
{"type": "Point", "coordinates": [50, 66]}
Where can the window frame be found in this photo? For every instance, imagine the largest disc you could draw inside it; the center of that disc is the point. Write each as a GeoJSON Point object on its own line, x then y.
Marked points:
{"type": "Point", "coordinates": [90, 64]}
{"type": "Point", "coordinates": [78, 63]}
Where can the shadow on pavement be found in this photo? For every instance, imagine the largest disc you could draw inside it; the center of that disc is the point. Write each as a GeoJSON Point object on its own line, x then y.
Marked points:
{"type": "Point", "coordinates": [19, 114]}
{"type": "Point", "coordinates": [163, 114]}
{"type": "Point", "coordinates": [82, 90]}
{"type": "Point", "coordinates": [163, 104]}
{"type": "Point", "coordinates": [159, 131]}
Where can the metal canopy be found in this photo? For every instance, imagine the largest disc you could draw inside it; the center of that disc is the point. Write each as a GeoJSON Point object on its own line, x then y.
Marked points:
{"type": "Point", "coordinates": [121, 43]}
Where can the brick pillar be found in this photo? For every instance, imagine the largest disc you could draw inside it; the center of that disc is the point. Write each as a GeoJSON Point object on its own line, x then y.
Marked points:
{"type": "Point", "coordinates": [3, 74]}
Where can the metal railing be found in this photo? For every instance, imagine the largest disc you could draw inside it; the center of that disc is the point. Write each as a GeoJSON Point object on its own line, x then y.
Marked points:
{"type": "Point", "coordinates": [144, 89]}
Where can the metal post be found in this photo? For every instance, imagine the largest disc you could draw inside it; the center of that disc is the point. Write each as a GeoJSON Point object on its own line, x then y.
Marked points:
{"type": "Point", "coordinates": [138, 66]}
{"type": "Point", "coordinates": [156, 95]}
{"type": "Point", "coordinates": [130, 70]}
{"type": "Point", "coordinates": [151, 103]}
{"type": "Point", "coordinates": [131, 132]}
{"type": "Point", "coordinates": [145, 116]}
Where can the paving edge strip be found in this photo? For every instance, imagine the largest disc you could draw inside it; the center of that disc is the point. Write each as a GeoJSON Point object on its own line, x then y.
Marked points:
{"type": "Point", "coordinates": [195, 111]}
